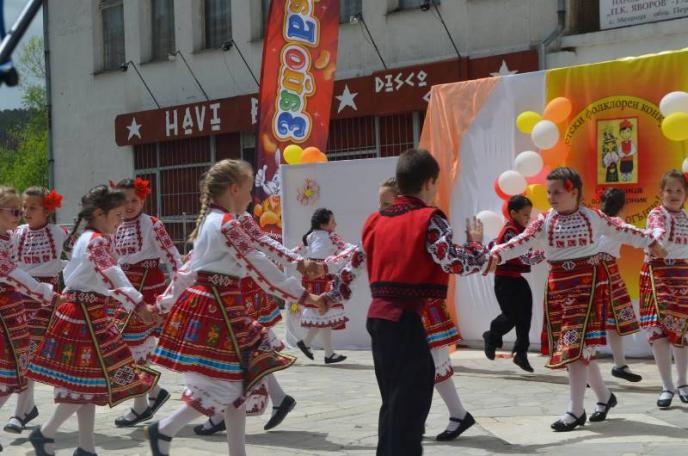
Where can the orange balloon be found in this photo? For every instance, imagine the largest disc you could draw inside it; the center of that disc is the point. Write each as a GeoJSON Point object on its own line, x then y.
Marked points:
{"type": "Point", "coordinates": [322, 158]}
{"type": "Point", "coordinates": [558, 110]}
{"type": "Point", "coordinates": [556, 156]}
{"type": "Point", "coordinates": [311, 155]}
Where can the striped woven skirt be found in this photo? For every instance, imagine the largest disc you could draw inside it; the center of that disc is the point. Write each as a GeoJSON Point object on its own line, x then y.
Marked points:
{"type": "Point", "coordinates": [39, 316]}
{"type": "Point", "coordinates": [620, 313]}
{"type": "Point", "coordinates": [334, 318]}
{"type": "Point", "coordinates": [576, 303]}
{"type": "Point", "coordinates": [148, 278]}
{"type": "Point", "coordinates": [222, 351]}
{"type": "Point", "coordinates": [14, 351]}
{"type": "Point", "coordinates": [84, 357]}
{"type": "Point", "coordinates": [260, 305]}
{"type": "Point", "coordinates": [439, 327]}
{"type": "Point", "coordinates": [664, 299]}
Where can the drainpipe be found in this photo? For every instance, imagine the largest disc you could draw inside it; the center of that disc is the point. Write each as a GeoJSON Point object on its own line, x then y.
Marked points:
{"type": "Point", "coordinates": [556, 34]}
{"type": "Point", "coordinates": [48, 97]}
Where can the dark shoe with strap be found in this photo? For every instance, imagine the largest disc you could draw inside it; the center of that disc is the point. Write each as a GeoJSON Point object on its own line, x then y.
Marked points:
{"type": "Point", "coordinates": [306, 351]}
{"type": "Point", "coordinates": [683, 396]}
{"type": "Point", "coordinates": [625, 373]}
{"type": "Point", "coordinates": [158, 401]}
{"type": "Point", "coordinates": [14, 429]}
{"type": "Point", "coordinates": [81, 452]}
{"type": "Point", "coordinates": [335, 358]}
{"type": "Point", "coordinates": [602, 415]}
{"type": "Point", "coordinates": [665, 403]}
{"type": "Point", "coordinates": [464, 424]}
{"type": "Point", "coordinates": [123, 421]}
{"type": "Point", "coordinates": [202, 429]}
{"type": "Point", "coordinates": [154, 436]}
{"type": "Point", "coordinates": [489, 348]}
{"type": "Point", "coordinates": [282, 410]}
{"type": "Point", "coordinates": [521, 360]}
{"type": "Point", "coordinates": [561, 426]}
{"type": "Point", "coordinates": [39, 441]}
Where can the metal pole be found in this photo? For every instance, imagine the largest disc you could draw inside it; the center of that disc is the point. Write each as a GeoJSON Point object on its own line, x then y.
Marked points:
{"type": "Point", "coordinates": [144, 82]}
{"type": "Point", "coordinates": [245, 63]}
{"type": "Point", "coordinates": [444, 24]}
{"type": "Point", "coordinates": [372, 40]}
{"type": "Point", "coordinates": [48, 97]}
{"type": "Point", "coordinates": [9, 43]}
{"type": "Point", "coordinates": [184, 232]}
{"type": "Point", "coordinates": [179, 53]}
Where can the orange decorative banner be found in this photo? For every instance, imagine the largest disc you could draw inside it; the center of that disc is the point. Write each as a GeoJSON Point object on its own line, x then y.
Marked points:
{"type": "Point", "coordinates": [297, 80]}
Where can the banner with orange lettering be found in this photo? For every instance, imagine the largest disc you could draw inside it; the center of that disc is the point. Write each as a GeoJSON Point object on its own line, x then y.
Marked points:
{"type": "Point", "coordinates": [299, 61]}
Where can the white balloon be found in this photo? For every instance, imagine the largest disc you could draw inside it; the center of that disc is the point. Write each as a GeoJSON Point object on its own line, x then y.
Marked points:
{"type": "Point", "coordinates": [492, 224]}
{"type": "Point", "coordinates": [528, 163]}
{"type": "Point", "coordinates": [685, 165]}
{"type": "Point", "coordinates": [674, 102]}
{"type": "Point", "coordinates": [545, 135]}
{"type": "Point", "coordinates": [512, 182]}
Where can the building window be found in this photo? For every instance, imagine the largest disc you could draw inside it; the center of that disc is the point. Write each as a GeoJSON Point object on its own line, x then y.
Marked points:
{"type": "Point", "coordinates": [162, 15]}
{"type": "Point", "coordinates": [411, 4]}
{"type": "Point", "coordinates": [218, 23]}
{"type": "Point", "coordinates": [112, 12]}
{"type": "Point", "coordinates": [349, 9]}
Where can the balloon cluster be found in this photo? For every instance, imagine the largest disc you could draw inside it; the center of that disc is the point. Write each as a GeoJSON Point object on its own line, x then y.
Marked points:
{"type": "Point", "coordinates": [544, 130]}
{"type": "Point", "coordinates": [674, 108]}
{"type": "Point", "coordinates": [295, 155]}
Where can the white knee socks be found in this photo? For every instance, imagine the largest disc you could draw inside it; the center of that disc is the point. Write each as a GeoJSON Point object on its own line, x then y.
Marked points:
{"type": "Point", "coordinates": [235, 419]}
{"type": "Point", "coordinates": [86, 416]}
{"type": "Point", "coordinates": [447, 391]}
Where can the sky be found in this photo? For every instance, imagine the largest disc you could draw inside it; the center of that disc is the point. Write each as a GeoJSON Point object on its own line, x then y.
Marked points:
{"type": "Point", "coordinates": [10, 98]}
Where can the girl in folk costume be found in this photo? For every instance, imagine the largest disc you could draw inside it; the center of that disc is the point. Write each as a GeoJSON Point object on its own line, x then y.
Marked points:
{"type": "Point", "coordinates": [265, 310]}
{"type": "Point", "coordinates": [320, 243]}
{"type": "Point", "coordinates": [577, 287]}
{"type": "Point", "coordinates": [663, 297]}
{"type": "Point", "coordinates": [37, 247]}
{"type": "Point", "coordinates": [82, 354]}
{"type": "Point", "coordinates": [512, 290]}
{"type": "Point", "coordinates": [142, 244]}
{"type": "Point", "coordinates": [621, 318]}
{"type": "Point", "coordinates": [208, 334]}
{"type": "Point", "coordinates": [16, 287]}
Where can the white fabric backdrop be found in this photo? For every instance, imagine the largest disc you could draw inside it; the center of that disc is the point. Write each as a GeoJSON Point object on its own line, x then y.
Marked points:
{"type": "Point", "coordinates": [349, 189]}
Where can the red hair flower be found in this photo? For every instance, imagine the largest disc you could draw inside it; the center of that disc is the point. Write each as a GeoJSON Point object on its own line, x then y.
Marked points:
{"type": "Point", "coordinates": [599, 193]}
{"type": "Point", "coordinates": [685, 176]}
{"type": "Point", "coordinates": [112, 184]}
{"type": "Point", "coordinates": [52, 201]}
{"type": "Point", "coordinates": [568, 185]}
{"type": "Point", "coordinates": [142, 187]}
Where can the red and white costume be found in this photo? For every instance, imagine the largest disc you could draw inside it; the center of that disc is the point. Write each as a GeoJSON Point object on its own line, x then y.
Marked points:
{"type": "Point", "coordinates": [39, 253]}
{"type": "Point", "coordinates": [209, 335]}
{"type": "Point", "coordinates": [620, 314]}
{"type": "Point", "coordinates": [577, 286]}
{"type": "Point", "coordinates": [15, 287]}
{"type": "Point", "coordinates": [83, 354]}
{"type": "Point", "coordinates": [323, 246]}
{"type": "Point", "coordinates": [142, 244]}
{"type": "Point", "coordinates": [664, 282]}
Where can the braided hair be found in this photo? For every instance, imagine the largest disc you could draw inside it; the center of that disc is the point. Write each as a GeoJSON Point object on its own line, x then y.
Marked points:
{"type": "Point", "coordinates": [100, 197]}
{"type": "Point", "coordinates": [613, 200]}
{"type": "Point", "coordinates": [215, 182]}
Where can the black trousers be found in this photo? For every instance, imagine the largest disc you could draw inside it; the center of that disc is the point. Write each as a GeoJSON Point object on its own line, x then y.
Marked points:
{"type": "Point", "coordinates": [405, 375]}
{"type": "Point", "coordinates": [516, 301]}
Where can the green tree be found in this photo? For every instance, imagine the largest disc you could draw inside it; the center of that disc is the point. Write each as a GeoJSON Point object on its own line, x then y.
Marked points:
{"type": "Point", "coordinates": [26, 162]}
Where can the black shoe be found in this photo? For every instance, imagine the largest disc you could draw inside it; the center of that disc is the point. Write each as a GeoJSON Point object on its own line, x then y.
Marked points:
{"type": "Point", "coordinates": [489, 348]}
{"type": "Point", "coordinates": [153, 436]}
{"type": "Point", "coordinates": [306, 351]}
{"type": "Point", "coordinates": [202, 429]}
{"type": "Point", "coordinates": [665, 403]}
{"type": "Point", "coordinates": [601, 416]}
{"type": "Point", "coordinates": [464, 424]}
{"type": "Point", "coordinates": [81, 452]}
{"type": "Point", "coordinates": [683, 397]}
{"type": "Point", "coordinates": [621, 372]}
{"type": "Point", "coordinates": [14, 429]}
{"type": "Point", "coordinates": [158, 402]}
{"type": "Point", "coordinates": [39, 441]}
{"type": "Point", "coordinates": [560, 426]}
{"type": "Point", "coordinates": [146, 415]}
{"type": "Point", "coordinates": [10, 77]}
{"type": "Point", "coordinates": [287, 405]}
{"type": "Point", "coordinates": [335, 358]}
{"type": "Point", "coordinates": [521, 360]}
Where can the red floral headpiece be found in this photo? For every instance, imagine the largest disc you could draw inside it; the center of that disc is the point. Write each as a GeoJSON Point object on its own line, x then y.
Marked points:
{"type": "Point", "coordinates": [142, 187]}
{"type": "Point", "coordinates": [568, 185]}
{"type": "Point", "coordinates": [52, 201]}
{"type": "Point", "coordinates": [599, 193]}
{"type": "Point", "coordinates": [112, 184]}
{"type": "Point", "coordinates": [685, 176]}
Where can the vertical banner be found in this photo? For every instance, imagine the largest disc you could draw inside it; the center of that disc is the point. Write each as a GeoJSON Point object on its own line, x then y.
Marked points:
{"type": "Point", "coordinates": [296, 84]}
